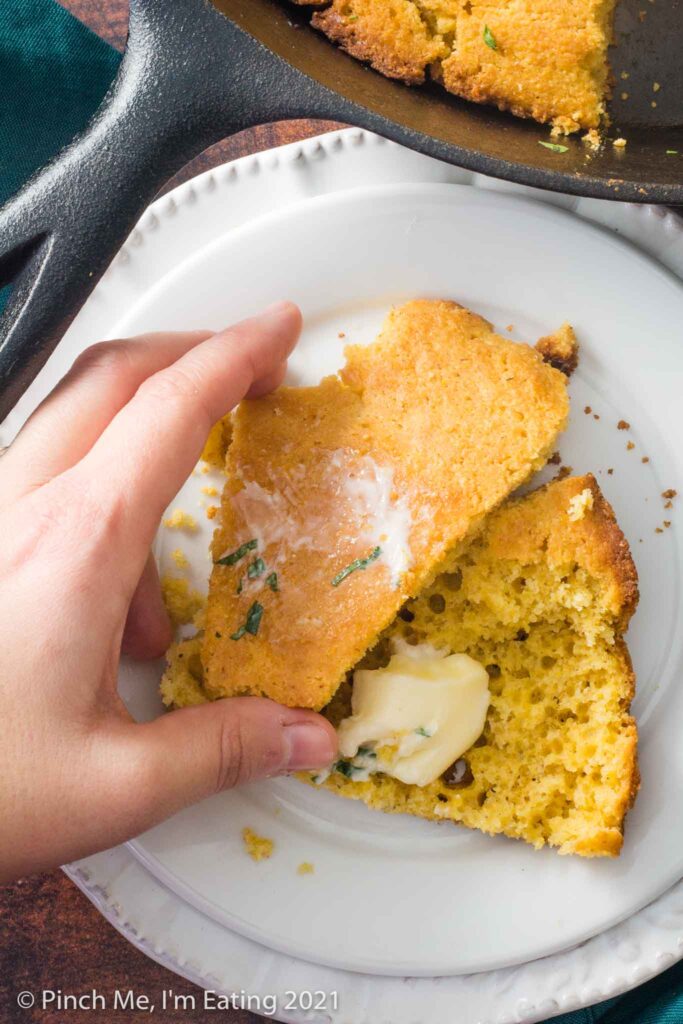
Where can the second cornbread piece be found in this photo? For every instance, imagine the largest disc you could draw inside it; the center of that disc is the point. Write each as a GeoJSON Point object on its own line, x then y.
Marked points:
{"type": "Point", "coordinates": [351, 493]}
{"type": "Point", "coordinates": [542, 597]}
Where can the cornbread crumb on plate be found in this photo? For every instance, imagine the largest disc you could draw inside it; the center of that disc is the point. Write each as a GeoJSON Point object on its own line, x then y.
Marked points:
{"type": "Point", "coordinates": [180, 520]}
{"type": "Point", "coordinates": [351, 493]}
{"type": "Point", "coordinates": [181, 601]}
{"type": "Point", "coordinates": [542, 601]}
{"type": "Point", "coordinates": [258, 847]}
{"type": "Point", "coordinates": [305, 868]}
{"type": "Point", "coordinates": [180, 558]}
{"type": "Point", "coordinates": [544, 59]}
{"type": "Point", "coordinates": [560, 349]}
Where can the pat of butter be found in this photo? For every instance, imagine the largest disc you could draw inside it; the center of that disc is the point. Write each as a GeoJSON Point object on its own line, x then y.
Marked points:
{"type": "Point", "coordinates": [415, 717]}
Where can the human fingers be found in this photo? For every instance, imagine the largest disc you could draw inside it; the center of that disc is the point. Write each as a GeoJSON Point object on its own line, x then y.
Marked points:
{"type": "Point", "coordinates": [147, 632]}
{"type": "Point", "coordinates": [149, 449]}
{"type": "Point", "coordinates": [155, 769]}
{"type": "Point", "coordinates": [68, 422]}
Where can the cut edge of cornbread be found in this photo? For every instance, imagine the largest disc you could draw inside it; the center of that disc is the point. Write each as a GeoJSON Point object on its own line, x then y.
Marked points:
{"type": "Point", "coordinates": [557, 761]}
{"type": "Point", "coordinates": [485, 53]}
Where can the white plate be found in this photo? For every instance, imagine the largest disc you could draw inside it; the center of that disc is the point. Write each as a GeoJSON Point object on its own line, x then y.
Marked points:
{"type": "Point", "coordinates": [394, 895]}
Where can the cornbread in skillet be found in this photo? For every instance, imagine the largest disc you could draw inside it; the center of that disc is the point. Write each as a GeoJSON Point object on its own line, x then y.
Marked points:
{"type": "Point", "coordinates": [342, 500]}
{"type": "Point", "coordinates": [544, 59]}
{"type": "Point", "coordinates": [541, 597]}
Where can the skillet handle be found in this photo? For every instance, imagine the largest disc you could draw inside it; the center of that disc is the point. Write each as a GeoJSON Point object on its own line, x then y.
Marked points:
{"type": "Point", "coordinates": [182, 86]}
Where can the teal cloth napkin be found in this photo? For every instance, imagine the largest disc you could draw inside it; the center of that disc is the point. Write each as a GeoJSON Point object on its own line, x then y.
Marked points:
{"type": "Point", "coordinates": [53, 75]}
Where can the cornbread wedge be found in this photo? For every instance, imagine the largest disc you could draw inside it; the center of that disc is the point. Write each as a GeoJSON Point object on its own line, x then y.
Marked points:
{"type": "Point", "coordinates": [544, 59]}
{"type": "Point", "coordinates": [342, 500]}
{"type": "Point", "coordinates": [541, 597]}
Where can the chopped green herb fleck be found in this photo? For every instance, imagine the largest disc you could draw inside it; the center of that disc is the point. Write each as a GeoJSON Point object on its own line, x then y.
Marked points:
{"type": "Point", "coordinates": [365, 752]}
{"type": "Point", "coordinates": [346, 768]}
{"type": "Point", "coordinates": [423, 732]}
{"type": "Point", "coordinates": [254, 616]}
{"type": "Point", "coordinates": [256, 569]}
{"type": "Point", "coordinates": [271, 581]}
{"type": "Point", "coordinates": [240, 585]}
{"type": "Point", "coordinates": [555, 146]}
{"type": "Point", "coordinates": [360, 563]}
{"type": "Point", "coordinates": [672, 152]}
{"type": "Point", "coordinates": [352, 17]}
{"type": "Point", "coordinates": [239, 553]}
{"type": "Point", "coordinates": [489, 38]}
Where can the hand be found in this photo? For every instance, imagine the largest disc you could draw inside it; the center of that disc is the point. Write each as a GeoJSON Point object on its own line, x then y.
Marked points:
{"type": "Point", "coordinates": [82, 490]}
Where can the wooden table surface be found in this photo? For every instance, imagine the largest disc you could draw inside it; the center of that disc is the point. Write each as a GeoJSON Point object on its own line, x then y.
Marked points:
{"type": "Point", "coordinates": [50, 935]}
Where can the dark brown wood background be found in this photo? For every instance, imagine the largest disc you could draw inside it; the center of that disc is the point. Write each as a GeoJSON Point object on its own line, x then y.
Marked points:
{"type": "Point", "coordinates": [50, 935]}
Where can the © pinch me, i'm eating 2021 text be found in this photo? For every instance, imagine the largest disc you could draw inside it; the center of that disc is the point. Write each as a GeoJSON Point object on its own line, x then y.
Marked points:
{"type": "Point", "coordinates": [169, 999]}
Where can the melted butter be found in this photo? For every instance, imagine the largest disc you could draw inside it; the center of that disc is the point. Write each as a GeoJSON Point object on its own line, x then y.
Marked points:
{"type": "Point", "coordinates": [386, 519]}
{"type": "Point", "coordinates": [415, 717]}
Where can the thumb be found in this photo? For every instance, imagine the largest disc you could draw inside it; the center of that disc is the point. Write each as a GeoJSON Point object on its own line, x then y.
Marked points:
{"type": "Point", "coordinates": [192, 753]}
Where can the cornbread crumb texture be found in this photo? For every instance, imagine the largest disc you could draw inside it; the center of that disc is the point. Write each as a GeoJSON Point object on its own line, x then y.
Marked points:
{"type": "Point", "coordinates": [543, 602]}
{"type": "Point", "coordinates": [560, 349]}
{"type": "Point", "coordinates": [579, 504]}
{"type": "Point", "coordinates": [181, 601]}
{"type": "Point", "coordinates": [180, 520]}
{"type": "Point", "coordinates": [398, 457]}
{"type": "Point", "coordinates": [545, 59]}
{"type": "Point", "coordinates": [258, 847]}
{"type": "Point", "coordinates": [592, 138]}
{"type": "Point", "coordinates": [305, 868]}
{"type": "Point", "coordinates": [181, 684]}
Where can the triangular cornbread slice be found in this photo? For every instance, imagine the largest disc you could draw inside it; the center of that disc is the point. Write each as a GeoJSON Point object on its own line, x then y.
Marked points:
{"type": "Point", "coordinates": [541, 597]}
{"type": "Point", "coordinates": [341, 500]}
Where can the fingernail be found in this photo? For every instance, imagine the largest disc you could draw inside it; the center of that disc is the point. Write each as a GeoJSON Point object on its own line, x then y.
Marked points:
{"type": "Point", "coordinates": [276, 309]}
{"type": "Point", "coordinates": [307, 745]}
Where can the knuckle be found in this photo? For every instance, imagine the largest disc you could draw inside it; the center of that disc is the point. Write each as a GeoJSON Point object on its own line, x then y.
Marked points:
{"type": "Point", "coordinates": [231, 760]}
{"type": "Point", "coordinates": [170, 385]}
{"type": "Point", "coordinates": [103, 357]}
{"type": "Point", "coordinates": [250, 746]}
{"type": "Point", "coordinates": [72, 523]}
{"type": "Point", "coordinates": [242, 343]}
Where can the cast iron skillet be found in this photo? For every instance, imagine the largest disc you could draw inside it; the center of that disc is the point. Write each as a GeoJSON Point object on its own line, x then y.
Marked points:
{"type": "Point", "coordinates": [195, 72]}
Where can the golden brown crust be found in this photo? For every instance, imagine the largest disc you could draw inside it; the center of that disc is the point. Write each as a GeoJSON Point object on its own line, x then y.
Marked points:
{"type": "Point", "coordinates": [616, 554]}
{"type": "Point", "coordinates": [218, 442]}
{"type": "Point", "coordinates": [387, 34]}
